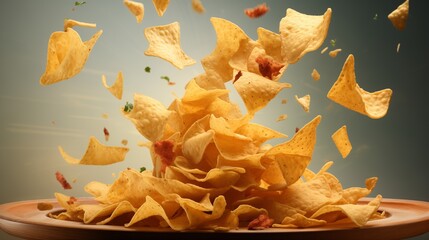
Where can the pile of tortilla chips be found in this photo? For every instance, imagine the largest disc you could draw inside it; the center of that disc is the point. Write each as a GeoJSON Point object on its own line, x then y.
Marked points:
{"type": "Point", "coordinates": [212, 167]}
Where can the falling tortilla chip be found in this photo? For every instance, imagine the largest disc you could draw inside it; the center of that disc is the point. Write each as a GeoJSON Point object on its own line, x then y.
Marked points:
{"type": "Point", "coordinates": [301, 33]}
{"type": "Point", "coordinates": [304, 102]}
{"type": "Point", "coordinates": [341, 140]}
{"type": "Point", "coordinates": [164, 42]}
{"type": "Point", "coordinates": [97, 154]}
{"type": "Point", "coordinates": [117, 88]}
{"type": "Point", "coordinates": [334, 53]}
{"type": "Point", "coordinates": [347, 93]}
{"type": "Point", "coordinates": [399, 16]}
{"type": "Point", "coordinates": [70, 23]}
{"type": "Point", "coordinates": [136, 8]}
{"type": "Point", "coordinates": [315, 75]}
{"type": "Point", "coordinates": [66, 56]}
{"type": "Point", "coordinates": [161, 6]}
{"type": "Point", "coordinates": [198, 6]}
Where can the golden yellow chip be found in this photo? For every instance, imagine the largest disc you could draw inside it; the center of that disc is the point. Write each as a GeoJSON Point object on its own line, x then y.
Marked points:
{"type": "Point", "coordinates": [315, 75]}
{"type": "Point", "coordinates": [198, 6]}
{"type": "Point", "coordinates": [341, 140]}
{"type": "Point", "coordinates": [301, 33]}
{"type": "Point", "coordinates": [149, 116]}
{"type": "Point", "coordinates": [335, 52]}
{"type": "Point", "coordinates": [117, 88]}
{"type": "Point", "coordinates": [67, 55]}
{"type": "Point", "coordinates": [97, 154]}
{"type": "Point", "coordinates": [347, 93]}
{"type": "Point", "coordinates": [70, 23]}
{"type": "Point", "coordinates": [292, 158]}
{"type": "Point", "coordinates": [136, 8]}
{"type": "Point", "coordinates": [228, 41]}
{"type": "Point", "coordinates": [257, 91]}
{"type": "Point", "coordinates": [271, 42]}
{"type": "Point", "coordinates": [160, 6]}
{"type": "Point", "coordinates": [164, 42]}
{"type": "Point", "coordinates": [399, 16]}
{"type": "Point", "coordinates": [304, 101]}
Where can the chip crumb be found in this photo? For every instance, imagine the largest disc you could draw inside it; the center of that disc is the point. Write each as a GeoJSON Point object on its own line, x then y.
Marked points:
{"type": "Point", "coordinates": [44, 206]}
{"type": "Point", "coordinates": [304, 102]}
{"type": "Point", "coordinates": [284, 101]}
{"type": "Point", "coordinates": [324, 50]}
{"type": "Point", "coordinates": [281, 117]}
{"type": "Point", "coordinates": [257, 11]}
{"type": "Point", "coordinates": [198, 6]}
{"type": "Point", "coordinates": [315, 75]}
{"type": "Point", "coordinates": [397, 47]}
{"type": "Point", "coordinates": [335, 52]}
{"type": "Point", "coordinates": [136, 8]}
{"type": "Point", "coordinates": [105, 115]}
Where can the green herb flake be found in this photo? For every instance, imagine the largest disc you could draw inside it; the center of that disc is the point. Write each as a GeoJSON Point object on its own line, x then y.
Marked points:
{"type": "Point", "coordinates": [375, 17]}
{"type": "Point", "coordinates": [165, 78]}
{"type": "Point", "coordinates": [142, 169]}
{"type": "Point", "coordinates": [147, 69]}
{"type": "Point", "coordinates": [333, 42]}
{"type": "Point", "coordinates": [77, 3]}
{"type": "Point", "coordinates": [128, 107]}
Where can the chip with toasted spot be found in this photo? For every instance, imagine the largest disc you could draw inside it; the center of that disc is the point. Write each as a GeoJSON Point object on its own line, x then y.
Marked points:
{"type": "Point", "coordinates": [342, 141]}
{"type": "Point", "coordinates": [67, 55]}
{"type": "Point", "coordinates": [70, 23]}
{"type": "Point", "coordinates": [136, 8]}
{"type": "Point", "coordinates": [97, 154]}
{"type": "Point", "coordinates": [160, 6]}
{"type": "Point", "coordinates": [301, 33]}
{"type": "Point", "coordinates": [117, 88]}
{"type": "Point", "coordinates": [164, 42]}
{"type": "Point", "coordinates": [347, 93]}
{"type": "Point", "coordinates": [304, 101]}
{"type": "Point", "coordinates": [399, 16]}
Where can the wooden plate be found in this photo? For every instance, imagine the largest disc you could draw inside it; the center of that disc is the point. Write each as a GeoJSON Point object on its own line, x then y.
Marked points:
{"type": "Point", "coordinates": [406, 218]}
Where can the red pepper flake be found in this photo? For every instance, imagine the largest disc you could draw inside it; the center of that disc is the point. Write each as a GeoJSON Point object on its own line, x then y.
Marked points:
{"type": "Point", "coordinates": [261, 222]}
{"type": "Point", "coordinates": [71, 200]}
{"type": "Point", "coordinates": [256, 11]}
{"type": "Point", "coordinates": [165, 150]}
{"type": "Point", "coordinates": [237, 76]}
{"type": "Point", "coordinates": [268, 67]}
{"type": "Point", "coordinates": [106, 134]}
{"type": "Point", "coordinates": [296, 130]}
{"type": "Point", "coordinates": [62, 180]}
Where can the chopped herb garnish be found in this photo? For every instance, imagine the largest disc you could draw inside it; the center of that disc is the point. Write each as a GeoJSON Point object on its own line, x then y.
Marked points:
{"type": "Point", "coordinates": [147, 69]}
{"type": "Point", "coordinates": [128, 107]}
{"type": "Point", "coordinates": [165, 78]}
{"type": "Point", "coordinates": [142, 169]}
{"type": "Point", "coordinates": [333, 42]}
{"type": "Point", "coordinates": [375, 17]}
{"type": "Point", "coordinates": [77, 3]}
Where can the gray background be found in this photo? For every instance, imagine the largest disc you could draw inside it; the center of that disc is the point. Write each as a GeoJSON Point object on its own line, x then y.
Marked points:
{"type": "Point", "coordinates": [35, 119]}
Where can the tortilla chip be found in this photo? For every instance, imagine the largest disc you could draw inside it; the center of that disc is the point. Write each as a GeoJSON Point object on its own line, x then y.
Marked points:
{"type": "Point", "coordinates": [97, 154]}
{"type": "Point", "coordinates": [198, 6]}
{"type": "Point", "coordinates": [257, 91]}
{"type": "Point", "coordinates": [70, 23]}
{"type": "Point", "coordinates": [304, 102]}
{"type": "Point", "coordinates": [160, 6]}
{"type": "Point", "coordinates": [315, 75]}
{"type": "Point", "coordinates": [136, 8]}
{"type": "Point", "coordinates": [67, 55]}
{"type": "Point", "coordinates": [164, 42]}
{"type": "Point", "coordinates": [341, 140]}
{"type": "Point", "coordinates": [117, 88]}
{"type": "Point", "coordinates": [301, 33]}
{"type": "Point", "coordinates": [399, 16]}
{"type": "Point", "coordinates": [347, 93]}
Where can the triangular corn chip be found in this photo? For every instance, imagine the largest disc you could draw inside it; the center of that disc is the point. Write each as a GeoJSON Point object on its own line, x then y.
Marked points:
{"type": "Point", "coordinates": [136, 8]}
{"type": "Point", "coordinates": [67, 55]}
{"type": "Point", "coordinates": [347, 93]}
{"type": "Point", "coordinates": [117, 88]}
{"type": "Point", "coordinates": [301, 33]}
{"type": "Point", "coordinates": [160, 6]}
{"type": "Point", "coordinates": [97, 154]}
{"type": "Point", "coordinates": [304, 102]}
{"type": "Point", "coordinates": [399, 16]}
{"type": "Point", "coordinates": [164, 42]}
{"type": "Point", "coordinates": [341, 140]}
